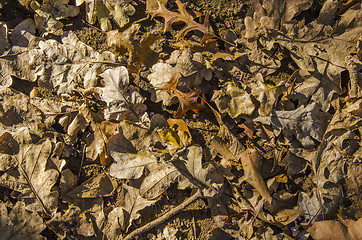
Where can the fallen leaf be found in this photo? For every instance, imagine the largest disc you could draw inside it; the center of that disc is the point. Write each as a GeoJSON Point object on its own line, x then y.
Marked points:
{"type": "Point", "coordinates": [19, 224]}
{"type": "Point", "coordinates": [103, 11]}
{"type": "Point", "coordinates": [228, 100]}
{"type": "Point", "coordinates": [343, 229]}
{"type": "Point", "coordinates": [34, 182]}
{"type": "Point", "coordinates": [176, 135]}
{"type": "Point", "coordinates": [306, 124]}
{"type": "Point", "coordinates": [68, 65]}
{"type": "Point", "coordinates": [121, 218]}
{"type": "Point", "coordinates": [187, 101]}
{"type": "Point", "coordinates": [129, 164]}
{"type": "Point", "coordinates": [182, 15]}
{"type": "Point", "coordinates": [250, 160]}
{"type": "Point", "coordinates": [159, 179]}
{"type": "Point", "coordinates": [71, 223]}
{"type": "Point", "coordinates": [123, 100]}
{"type": "Point", "coordinates": [140, 52]}
{"type": "Point", "coordinates": [97, 186]}
{"type": "Point", "coordinates": [3, 38]}
{"type": "Point", "coordinates": [195, 176]}
{"type": "Point", "coordinates": [266, 95]}
{"type": "Point", "coordinates": [49, 13]}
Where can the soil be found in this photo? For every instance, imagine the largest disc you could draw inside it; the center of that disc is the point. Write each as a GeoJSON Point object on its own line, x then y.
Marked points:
{"type": "Point", "coordinates": [194, 222]}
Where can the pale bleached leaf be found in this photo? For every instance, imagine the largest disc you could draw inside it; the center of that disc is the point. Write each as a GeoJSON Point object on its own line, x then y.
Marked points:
{"type": "Point", "coordinates": [229, 98]}
{"type": "Point", "coordinates": [123, 100]}
{"type": "Point", "coordinates": [161, 176]}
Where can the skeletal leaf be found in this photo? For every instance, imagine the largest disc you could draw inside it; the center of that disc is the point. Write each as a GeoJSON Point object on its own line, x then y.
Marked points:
{"type": "Point", "coordinates": [123, 100]}
{"type": "Point", "coordinates": [182, 15]}
{"type": "Point", "coordinates": [251, 161]}
{"type": "Point", "coordinates": [20, 224]}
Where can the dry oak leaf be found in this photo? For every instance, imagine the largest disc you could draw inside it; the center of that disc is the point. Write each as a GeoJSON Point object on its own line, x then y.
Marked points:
{"type": "Point", "coordinates": [140, 52]}
{"type": "Point", "coordinates": [123, 100]}
{"type": "Point", "coordinates": [342, 229]}
{"type": "Point", "coordinates": [182, 15]}
{"type": "Point", "coordinates": [187, 101]}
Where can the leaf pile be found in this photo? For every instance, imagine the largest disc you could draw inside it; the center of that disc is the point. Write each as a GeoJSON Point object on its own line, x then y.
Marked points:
{"type": "Point", "coordinates": [264, 125]}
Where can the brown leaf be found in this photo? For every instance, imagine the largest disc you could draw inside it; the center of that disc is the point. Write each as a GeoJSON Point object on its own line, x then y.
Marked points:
{"type": "Point", "coordinates": [250, 161]}
{"type": "Point", "coordinates": [140, 52]}
{"type": "Point", "coordinates": [182, 15]}
{"type": "Point", "coordinates": [343, 229]}
{"type": "Point", "coordinates": [8, 144]}
{"type": "Point", "coordinates": [187, 101]}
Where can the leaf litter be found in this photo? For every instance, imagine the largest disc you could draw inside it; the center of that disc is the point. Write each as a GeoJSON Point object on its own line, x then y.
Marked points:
{"type": "Point", "coordinates": [249, 128]}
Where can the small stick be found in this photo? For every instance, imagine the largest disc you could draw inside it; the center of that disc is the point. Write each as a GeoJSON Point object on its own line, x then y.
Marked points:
{"type": "Point", "coordinates": [164, 217]}
{"type": "Point", "coordinates": [344, 7]}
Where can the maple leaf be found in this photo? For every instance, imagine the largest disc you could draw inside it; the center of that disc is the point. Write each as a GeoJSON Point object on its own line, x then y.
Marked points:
{"type": "Point", "coordinates": [183, 16]}
{"type": "Point", "coordinates": [187, 101]}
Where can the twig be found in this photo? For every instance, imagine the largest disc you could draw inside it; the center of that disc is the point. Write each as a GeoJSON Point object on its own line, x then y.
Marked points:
{"type": "Point", "coordinates": [344, 7]}
{"type": "Point", "coordinates": [164, 217]}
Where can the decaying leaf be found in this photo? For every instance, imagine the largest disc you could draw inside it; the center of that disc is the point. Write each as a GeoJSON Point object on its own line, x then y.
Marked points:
{"type": "Point", "coordinates": [306, 124]}
{"type": "Point", "coordinates": [123, 100]}
{"type": "Point", "coordinates": [97, 186]}
{"type": "Point", "coordinates": [140, 53]}
{"type": "Point", "coordinates": [71, 224]}
{"type": "Point", "coordinates": [66, 66]}
{"type": "Point", "coordinates": [121, 218]}
{"type": "Point", "coordinates": [103, 11]}
{"type": "Point", "coordinates": [20, 224]}
{"type": "Point", "coordinates": [159, 179]}
{"type": "Point", "coordinates": [50, 12]}
{"type": "Point", "coordinates": [342, 229]}
{"type": "Point", "coordinates": [229, 98]}
{"type": "Point", "coordinates": [250, 160]}
{"type": "Point", "coordinates": [182, 15]}
{"type": "Point", "coordinates": [3, 37]}
{"type": "Point", "coordinates": [31, 178]}
{"type": "Point", "coordinates": [187, 101]}
{"type": "Point", "coordinates": [195, 176]}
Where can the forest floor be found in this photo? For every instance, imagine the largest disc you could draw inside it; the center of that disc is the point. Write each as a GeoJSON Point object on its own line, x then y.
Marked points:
{"type": "Point", "coordinates": [172, 119]}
